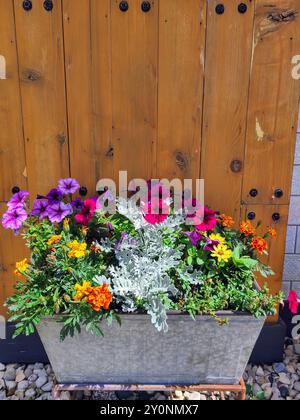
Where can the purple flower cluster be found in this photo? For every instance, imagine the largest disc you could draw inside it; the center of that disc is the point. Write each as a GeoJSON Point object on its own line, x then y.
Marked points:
{"type": "Point", "coordinates": [16, 214]}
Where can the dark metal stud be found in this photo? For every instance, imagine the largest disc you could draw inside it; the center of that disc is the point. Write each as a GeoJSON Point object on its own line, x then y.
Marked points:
{"type": "Point", "coordinates": [15, 190]}
{"type": "Point", "coordinates": [254, 193]}
{"type": "Point", "coordinates": [124, 6]}
{"type": "Point", "coordinates": [242, 8]}
{"type": "Point", "coordinates": [146, 6]}
{"type": "Point", "coordinates": [251, 215]}
{"type": "Point", "coordinates": [278, 193]}
{"type": "Point", "coordinates": [220, 9]}
{"type": "Point", "coordinates": [48, 5]}
{"type": "Point", "coordinates": [27, 5]}
{"type": "Point", "coordinates": [276, 217]}
{"type": "Point", "coordinates": [83, 191]}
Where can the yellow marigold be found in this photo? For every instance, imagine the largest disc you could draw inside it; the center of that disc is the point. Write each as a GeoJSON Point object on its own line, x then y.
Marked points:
{"type": "Point", "coordinates": [226, 221]}
{"type": "Point", "coordinates": [54, 240]}
{"type": "Point", "coordinates": [222, 253]}
{"type": "Point", "coordinates": [21, 267]}
{"type": "Point", "coordinates": [82, 290]}
{"type": "Point", "coordinates": [66, 224]}
{"type": "Point", "coordinates": [78, 250]}
{"type": "Point", "coordinates": [247, 229]}
{"type": "Point", "coordinates": [259, 244]}
{"type": "Point", "coordinates": [217, 237]}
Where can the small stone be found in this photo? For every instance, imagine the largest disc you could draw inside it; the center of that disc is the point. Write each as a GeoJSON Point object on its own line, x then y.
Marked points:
{"type": "Point", "coordinates": [28, 372]}
{"type": "Point", "coordinates": [20, 395]}
{"type": "Point", "coordinates": [65, 396]}
{"type": "Point", "coordinates": [256, 389]}
{"type": "Point", "coordinates": [11, 387]}
{"type": "Point", "coordinates": [290, 369]}
{"type": "Point", "coordinates": [2, 395]}
{"type": "Point", "coordinates": [32, 378]}
{"type": "Point", "coordinates": [284, 391]}
{"type": "Point", "coordinates": [268, 392]}
{"type": "Point", "coordinates": [276, 395]}
{"type": "Point", "coordinates": [279, 368]}
{"type": "Point", "coordinates": [297, 348]}
{"type": "Point", "coordinates": [297, 386]}
{"type": "Point", "coordinates": [178, 394]}
{"type": "Point", "coordinates": [38, 366]}
{"type": "Point", "coordinates": [41, 381]}
{"type": "Point", "coordinates": [40, 372]}
{"type": "Point", "coordinates": [2, 367]}
{"type": "Point", "coordinates": [30, 393]}
{"type": "Point", "coordinates": [20, 376]}
{"type": "Point", "coordinates": [284, 379]}
{"type": "Point", "coordinates": [10, 374]}
{"type": "Point", "coordinates": [297, 398]}
{"type": "Point", "coordinates": [194, 396]}
{"type": "Point", "coordinates": [22, 386]}
{"type": "Point", "coordinates": [260, 371]}
{"type": "Point", "coordinates": [48, 387]}
{"type": "Point", "coordinates": [261, 380]}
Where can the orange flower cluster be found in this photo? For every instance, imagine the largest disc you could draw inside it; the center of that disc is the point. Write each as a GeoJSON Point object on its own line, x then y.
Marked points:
{"type": "Point", "coordinates": [226, 221]}
{"type": "Point", "coordinates": [272, 232]}
{"type": "Point", "coordinates": [247, 229]}
{"type": "Point", "coordinates": [259, 244]}
{"type": "Point", "coordinates": [98, 296]}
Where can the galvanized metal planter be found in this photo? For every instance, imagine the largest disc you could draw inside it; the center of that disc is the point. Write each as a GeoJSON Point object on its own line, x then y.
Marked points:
{"type": "Point", "coordinates": [192, 352]}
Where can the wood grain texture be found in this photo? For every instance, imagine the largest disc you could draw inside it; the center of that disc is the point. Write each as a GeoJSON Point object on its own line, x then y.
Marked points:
{"type": "Point", "coordinates": [12, 153]}
{"type": "Point", "coordinates": [182, 28]}
{"type": "Point", "coordinates": [227, 70]}
{"type": "Point", "coordinates": [273, 102]}
{"type": "Point", "coordinates": [41, 60]}
{"type": "Point", "coordinates": [134, 88]}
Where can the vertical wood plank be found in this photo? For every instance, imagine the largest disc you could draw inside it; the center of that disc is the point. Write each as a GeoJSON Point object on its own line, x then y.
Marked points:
{"type": "Point", "coordinates": [88, 74]}
{"type": "Point", "coordinates": [273, 102]}
{"type": "Point", "coordinates": [41, 60]}
{"type": "Point", "coordinates": [181, 78]}
{"type": "Point", "coordinates": [12, 153]}
{"type": "Point", "coordinates": [227, 70]}
{"type": "Point", "coordinates": [134, 88]}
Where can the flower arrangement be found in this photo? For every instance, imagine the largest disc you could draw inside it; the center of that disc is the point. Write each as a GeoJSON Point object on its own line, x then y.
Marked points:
{"type": "Point", "coordinates": [87, 266]}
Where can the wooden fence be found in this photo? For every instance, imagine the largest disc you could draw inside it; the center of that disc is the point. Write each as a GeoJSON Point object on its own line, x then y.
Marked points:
{"type": "Point", "coordinates": [186, 89]}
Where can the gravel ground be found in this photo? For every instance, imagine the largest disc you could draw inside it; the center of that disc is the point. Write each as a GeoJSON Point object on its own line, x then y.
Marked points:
{"type": "Point", "coordinates": [278, 382]}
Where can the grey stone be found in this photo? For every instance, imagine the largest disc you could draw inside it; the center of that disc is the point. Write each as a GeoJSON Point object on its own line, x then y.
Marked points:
{"type": "Point", "coordinates": [2, 367]}
{"type": "Point", "coordinates": [297, 386]}
{"type": "Point", "coordinates": [65, 396]}
{"type": "Point", "coordinates": [32, 378]}
{"type": "Point", "coordinates": [2, 395]}
{"type": "Point", "coordinates": [297, 349]}
{"type": "Point", "coordinates": [260, 371]}
{"type": "Point", "coordinates": [291, 239]}
{"type": "Point", "coordinates": [11, 387]}
{"type": "Point", "coordinates": [30, 393]}
{"type": "Point", "coordinates": [41, 381]}
{"type": "Point", "coordinates": [38, 366]}
{"type": "Point", "coordinates": [20, 376]}
{"type": "Point", "coordinates": [28, 372]}
{"type": "Point", "coordinates": [194, 396]}
{"type": "Point", "coordinates": [48, 387]}
{"type": "Point", "coordinates": [22, 386]}
{"type": "Point", "coordinates": [40, 372]}
{"type": "Point", "coordinates": [10, 374]}
{"type": "Point", "coordinates": [279, 368]}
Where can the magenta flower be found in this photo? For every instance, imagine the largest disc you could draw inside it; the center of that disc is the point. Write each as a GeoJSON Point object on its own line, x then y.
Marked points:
{"type": "Point", "coordinates": [40, 208]}
{"type": "Point", "coordinates": [209, 221]}
{"type": "Point", "coordinates": [54, 196]}
{"type": "Point", "coordinates": [68, 186]}
{"type": "Point", "coordinates": [14, 218]}
{"type": "Point", "coordinates": [87, 212]}
{"type": "Point", "coordinates": [58, 211]}
{"type": "Point", "coordinates": [210, 244]}
{"type": "Point", "coordinates": [194, 237]}
{"type": "Point", "coordinates": [18, 200]}
{"type": "Point", "coordinates": [156, 211]}
{"type": "Point", "coordinates": [293, 302]}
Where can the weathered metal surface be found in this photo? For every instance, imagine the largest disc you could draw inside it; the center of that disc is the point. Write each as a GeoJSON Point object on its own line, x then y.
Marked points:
{"type": "Point", "coordinates": [192, 352]}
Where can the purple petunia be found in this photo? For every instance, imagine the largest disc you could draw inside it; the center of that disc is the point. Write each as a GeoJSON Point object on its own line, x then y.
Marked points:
{"type": "Point", "coordinates": [18, 200]}
{"type": "Point", "coordinates": [54, 196]}
{"type": "Point", "coordinates": [68, 186]}
{"type": "Point", "coordinates": [210, 244]}
{"type": "Point", "coordinates": [14, 218]}
{"type": "Point", "coordinates": [194, 237]}
{"type": "Point", "coordinates": [58, 211]}
{"type": "Point", "coordinates": [77, 204]}
{"type": "Point", "coordinates": [40, 209]}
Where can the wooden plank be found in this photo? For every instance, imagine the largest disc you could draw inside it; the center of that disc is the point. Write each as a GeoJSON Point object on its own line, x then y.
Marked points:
{"type": "Point", "coordinates": [88, 75]}
{"type": "Point", "coordinates": [134, 88]}
{"type": "Point", "coordinates": [273, 102]}
{"type": "Point", "coordinates": [12, 154]}
{"type": "Point", "coordinates": [264, 214]}
{"type": "Point", "coordinates": [181, 80]}
{"type": "Point", "coordinates": [41, 60]}
{"type": "Point", "coordinates": [12, 249]}
{"type": "Point", "coordinates": [227, 69]}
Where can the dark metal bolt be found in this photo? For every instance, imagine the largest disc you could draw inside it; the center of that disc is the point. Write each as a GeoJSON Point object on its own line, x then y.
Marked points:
{"type": "Point", "coordinates": [276, 217]}
{"type": "Point", "coordinates": [15, 190]}
{"type": "Point", "coordinates": [236, 166]}
{"type": "Point", "coordinates": [220, 9]}
{"type": "Point", "coordinates": [48, 5]}
{"type": "Point", "coordinates": [146, 6]}
{"type": "Point", "coordinates": [254, 193]}
{"type": "Point", "coordinates": [83, 191]}
{"type": "Point", "coordinates": [278, 193]}
{"type": "Point", "coordinates": [124, 6]}
{"type": "Point", "coordinates": [242, 8]}
{"type": "Point", "coordinates": [27, 5]}
{"type": "Point", "coordinates": [251, 215]}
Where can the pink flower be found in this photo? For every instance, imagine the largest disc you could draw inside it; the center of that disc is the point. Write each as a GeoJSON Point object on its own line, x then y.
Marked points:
{"type": "Point", "coordinates": [87, 212]}
{"type": "Point", "coordinates": [209, 221]}
{"type": "Point", "coordinates": [156, 211]}
{"type": "Point", "coordinates": [293, 302]}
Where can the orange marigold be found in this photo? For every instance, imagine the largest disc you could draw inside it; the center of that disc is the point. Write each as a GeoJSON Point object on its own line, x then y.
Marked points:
{"type": "Point", "coordinates": [226, 221]}
{"type": "Point", "coordinates": [100, 297]}
{"type": "Point", "coordinates": [259, 244]}
{"type": "Point", "coordinates": [247, 229]}
{"type": "Point", "coordinates": [272, 232]}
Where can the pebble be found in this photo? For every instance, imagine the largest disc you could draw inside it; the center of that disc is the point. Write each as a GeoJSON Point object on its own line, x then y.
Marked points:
{"type": "Point", "coordinates": [284, 379]}
{"type": "Point", "coordinates": [41, 381]}
{"type": "Point", "coordinates": [260, 371]}
{"type": "Point", "coordinates": [279, 368]}
{"type": "Point", "coordinates": [20, 376]}
{"type": "Point", "coordinates": [2, 367]}
{"type": "Point", "coordinates": [10, 374]}
{"type": "Point", "coordinates": [297, 386]}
